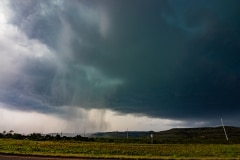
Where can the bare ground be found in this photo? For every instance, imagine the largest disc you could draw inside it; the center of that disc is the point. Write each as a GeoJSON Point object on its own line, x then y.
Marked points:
{"type": "Point", "coordinates": [25, 157]}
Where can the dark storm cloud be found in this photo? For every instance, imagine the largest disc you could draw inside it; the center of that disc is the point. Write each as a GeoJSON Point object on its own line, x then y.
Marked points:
{"type": "Point", "coordinates": [37, 19]}
{"type": "Point", "coordinates": [171, 59]}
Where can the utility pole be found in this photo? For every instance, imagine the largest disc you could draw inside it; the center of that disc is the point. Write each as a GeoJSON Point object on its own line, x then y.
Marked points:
{"type": "Point", "coordinates": [224, 130]}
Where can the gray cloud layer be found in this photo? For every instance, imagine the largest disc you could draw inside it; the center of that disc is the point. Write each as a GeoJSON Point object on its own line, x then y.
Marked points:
{"type": "Point", "coordinates": [171, 59]}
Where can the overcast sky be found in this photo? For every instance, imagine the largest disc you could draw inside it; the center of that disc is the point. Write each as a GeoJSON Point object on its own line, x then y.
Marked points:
{"type": "Point", "coordinates": [102, 65]}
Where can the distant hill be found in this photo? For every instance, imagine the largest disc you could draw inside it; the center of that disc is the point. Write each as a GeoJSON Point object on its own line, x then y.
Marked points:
{"type": "Point", "coordinates": [116, 134]}
{"type": "Point", "coordinates": [179, 135]}
{"type": "Point", "coordinates": [69, 134]}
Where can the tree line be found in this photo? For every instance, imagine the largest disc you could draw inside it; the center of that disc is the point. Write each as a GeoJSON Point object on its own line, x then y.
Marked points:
{"type": "Point", "coordinates": [42, 137]}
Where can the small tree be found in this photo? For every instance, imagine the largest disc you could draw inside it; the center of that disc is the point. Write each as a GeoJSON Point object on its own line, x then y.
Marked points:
{"type": "Point", "coordinates": [57, 137]}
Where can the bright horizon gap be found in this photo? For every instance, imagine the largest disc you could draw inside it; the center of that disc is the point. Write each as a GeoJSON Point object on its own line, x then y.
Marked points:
{"type": "Point", "coordinates": [33, 122]}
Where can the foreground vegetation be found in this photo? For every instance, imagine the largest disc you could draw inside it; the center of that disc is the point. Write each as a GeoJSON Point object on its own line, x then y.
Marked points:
{"type": "Point", "coordinates": [184, 143]}
{"type": "Point", "coordinates": [119, 150]}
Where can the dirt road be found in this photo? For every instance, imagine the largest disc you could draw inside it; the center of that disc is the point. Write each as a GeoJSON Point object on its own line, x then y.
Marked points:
{"type": "Point", "coordinates": [20, 157]}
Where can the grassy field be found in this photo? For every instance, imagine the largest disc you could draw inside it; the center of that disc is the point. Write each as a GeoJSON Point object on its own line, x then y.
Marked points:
{"type": "Point", "coordinates": [120, 150]}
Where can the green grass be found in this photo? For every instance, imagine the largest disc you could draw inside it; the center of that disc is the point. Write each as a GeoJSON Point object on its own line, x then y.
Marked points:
{"type": "Point", "coordinates": [119, 150]}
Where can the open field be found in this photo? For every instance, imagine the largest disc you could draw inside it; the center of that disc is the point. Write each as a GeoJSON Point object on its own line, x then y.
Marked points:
{"type": "Point", "coordinates": [119, 150]}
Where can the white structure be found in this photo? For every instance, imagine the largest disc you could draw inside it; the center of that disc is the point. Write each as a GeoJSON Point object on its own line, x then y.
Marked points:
{"type": "Point", "coordinates": [151, 135]}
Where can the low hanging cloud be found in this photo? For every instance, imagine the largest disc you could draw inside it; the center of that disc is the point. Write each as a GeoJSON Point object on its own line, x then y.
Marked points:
{"type": "Point", "coordinates": [176, 60]}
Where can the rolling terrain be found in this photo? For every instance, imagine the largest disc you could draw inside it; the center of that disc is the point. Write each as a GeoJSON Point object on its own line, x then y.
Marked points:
{"type": "Point", "coordinates": [179, 135]}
